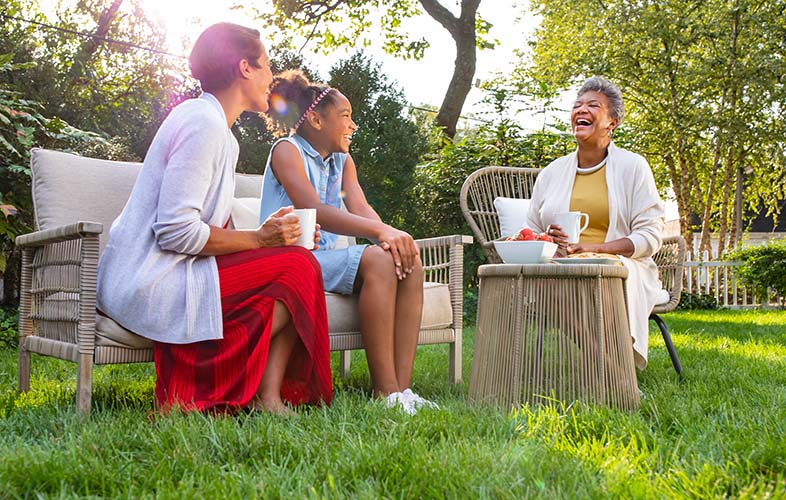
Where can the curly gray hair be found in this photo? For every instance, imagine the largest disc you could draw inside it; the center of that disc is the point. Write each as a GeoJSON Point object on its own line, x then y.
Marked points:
{"type": "Point", "coordinates": [605, 87]}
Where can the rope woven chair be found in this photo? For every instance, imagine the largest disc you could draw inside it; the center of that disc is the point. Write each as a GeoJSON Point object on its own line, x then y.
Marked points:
{"type": "Point", "coordinates": [477, 205]}
{"type": "Point", "coordinates": [477, 201]}
{"type": "Point", "coordinates": [670, 260]}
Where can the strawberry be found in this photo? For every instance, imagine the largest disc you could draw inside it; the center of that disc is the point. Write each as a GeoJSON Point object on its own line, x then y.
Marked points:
{"type": "Point", "coordinates": [526, 234]}
{"type": "Point", "coordinates": [545, 237]}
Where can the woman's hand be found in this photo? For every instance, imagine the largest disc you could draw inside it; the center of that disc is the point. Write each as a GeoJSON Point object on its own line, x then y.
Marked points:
{"type": "Point", "coordinates": [560, 238]}
{"type": "Point", "coordinates": [280, 230]}
{"type": "Point", "coordinates": [403, 249]}
{"type": "Point", "coordinates": [585, 247]}
{"type": "Point", "coordinates": [317, 236]}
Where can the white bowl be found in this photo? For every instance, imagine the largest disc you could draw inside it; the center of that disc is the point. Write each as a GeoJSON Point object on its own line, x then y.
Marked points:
{"type": "Point", "coordinates": [525, 252]}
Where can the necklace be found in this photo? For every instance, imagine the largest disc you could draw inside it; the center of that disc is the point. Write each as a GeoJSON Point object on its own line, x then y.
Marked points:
{"type": "Point", "coordinates": [590, 170]}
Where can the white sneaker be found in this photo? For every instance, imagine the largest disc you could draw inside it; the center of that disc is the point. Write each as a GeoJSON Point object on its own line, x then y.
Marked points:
{"type": "Point", "coordinates": [400, 399]}
{"type": "Point", "coordinates": [417, 401]}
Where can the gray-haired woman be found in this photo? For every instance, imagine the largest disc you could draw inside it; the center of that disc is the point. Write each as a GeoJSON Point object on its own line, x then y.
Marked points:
{"type": "Point", "coordinates": [616, 189]}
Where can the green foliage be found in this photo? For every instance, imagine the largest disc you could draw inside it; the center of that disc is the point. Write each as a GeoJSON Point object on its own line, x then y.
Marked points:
{"type": "Point", "coordinates": [703, 86]}
{"type": "Point", "coordinates": [9, 333]}
{"type": "Point", "coordinates": [763, 267]}
{"type": "Point", "coordinates": [23, 127]}
{"type": "Point", "coordinates": [690, 301]}
{"type": "Point", "coordinates": [387, 145]}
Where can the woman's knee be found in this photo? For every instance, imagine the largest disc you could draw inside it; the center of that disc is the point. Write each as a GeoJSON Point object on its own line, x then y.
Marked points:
{"type": "Point", "coordinates": [377, 264]}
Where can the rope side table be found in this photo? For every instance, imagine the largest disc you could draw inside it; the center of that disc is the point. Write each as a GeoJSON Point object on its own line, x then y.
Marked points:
{"type": "Point", "coordinates": [553, 331]}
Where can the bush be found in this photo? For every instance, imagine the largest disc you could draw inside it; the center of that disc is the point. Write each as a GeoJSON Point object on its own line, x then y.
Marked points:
{"type": "Point", "coordinates": [690, 301]}
{"type": "Point", "coordinates": [9, 333]}
{"type": "Point", "coordinates": [762, 267]}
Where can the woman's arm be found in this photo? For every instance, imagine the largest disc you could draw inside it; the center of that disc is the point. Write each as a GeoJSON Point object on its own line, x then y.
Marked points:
{"type": "Point", "coordinates": [622, 246]}
{"type": "Point", "coordinates": [277, 230]}
{"type": "Point", "coordinates": [400, 244]}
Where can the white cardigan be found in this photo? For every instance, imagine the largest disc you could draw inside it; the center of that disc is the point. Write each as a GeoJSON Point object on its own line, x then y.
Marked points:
{"type": "Point", "coordinates": [636, 212]}
{"type": "Point", "coordinates": [150, 278]}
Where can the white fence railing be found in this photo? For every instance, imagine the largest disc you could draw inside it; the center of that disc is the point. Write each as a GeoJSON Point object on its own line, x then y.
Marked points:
{"type": "Point", "coordinates": [719, 279]}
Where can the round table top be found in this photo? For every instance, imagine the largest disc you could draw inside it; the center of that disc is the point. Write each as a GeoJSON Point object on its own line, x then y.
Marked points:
{"type": "Point", "coordinates": [554, 270]}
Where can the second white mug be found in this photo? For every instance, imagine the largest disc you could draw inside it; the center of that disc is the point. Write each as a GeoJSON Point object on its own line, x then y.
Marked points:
{"type": "Point", "coordinates": [571, 224]}
{"type": "Point", "coordinates": [308, 226]}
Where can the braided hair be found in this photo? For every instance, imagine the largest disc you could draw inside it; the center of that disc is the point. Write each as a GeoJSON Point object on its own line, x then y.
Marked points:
{"type": "Point", "coordinates": [291, 95]}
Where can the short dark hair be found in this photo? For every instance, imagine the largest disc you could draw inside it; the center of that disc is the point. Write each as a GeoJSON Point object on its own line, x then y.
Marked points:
{"type": "Point", "coordinates": [217, 52]}
{"type": "Point", "coordinates": [291, 94]}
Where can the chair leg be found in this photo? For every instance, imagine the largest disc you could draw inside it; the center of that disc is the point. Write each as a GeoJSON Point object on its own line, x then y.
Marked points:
{"type": "Point", "coordinates": [23, 370]}
{"type": "Point", "coordinates": [669, 344]}
{"type": "Point", "coordinates": [84, 384]}
{"type": "Point", "coordinates": [344, 360]}
{"type": "Point", "coordinates": [454, 363]}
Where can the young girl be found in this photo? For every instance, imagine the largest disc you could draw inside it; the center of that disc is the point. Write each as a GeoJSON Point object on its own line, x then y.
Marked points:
{"type": "Point", "coordinates": [312, 168]}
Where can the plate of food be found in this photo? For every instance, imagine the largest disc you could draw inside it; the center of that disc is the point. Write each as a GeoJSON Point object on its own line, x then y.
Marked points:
{"type": "Point", "coordinates": [590, 258]}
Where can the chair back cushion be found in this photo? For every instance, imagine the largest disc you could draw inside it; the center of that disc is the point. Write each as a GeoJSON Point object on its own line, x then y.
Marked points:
{"type": "Point", "coordinates": [68, 188]}
{"type": "Point", "coordinates": [512, 214]}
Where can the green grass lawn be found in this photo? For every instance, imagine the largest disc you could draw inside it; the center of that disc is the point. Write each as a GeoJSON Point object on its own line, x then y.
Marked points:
{"type": "Point", "coordinates": [720, 433]}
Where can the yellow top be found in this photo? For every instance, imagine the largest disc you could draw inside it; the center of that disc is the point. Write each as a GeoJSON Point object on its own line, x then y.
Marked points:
{"type": "Point", "coordinates": [591, 196]}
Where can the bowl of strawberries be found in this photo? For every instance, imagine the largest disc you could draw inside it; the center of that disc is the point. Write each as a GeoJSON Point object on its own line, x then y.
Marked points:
{"type": "Point", "coordinates": [526, 247]}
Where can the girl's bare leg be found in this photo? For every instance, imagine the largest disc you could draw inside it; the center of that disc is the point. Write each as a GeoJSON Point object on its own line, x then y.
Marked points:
{"type": "Point", "coordinates": [376, 308]}
{"type": "Point", "coordinates": [409, 310]}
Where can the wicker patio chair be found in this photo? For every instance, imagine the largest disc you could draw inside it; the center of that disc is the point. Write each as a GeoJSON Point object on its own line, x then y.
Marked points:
{"type": "Point", "coordinates": [671, 261]}
{"type": "Point", "coordinates": [477, 205]}
{"type": "Point", "coordinates": [477, 201]}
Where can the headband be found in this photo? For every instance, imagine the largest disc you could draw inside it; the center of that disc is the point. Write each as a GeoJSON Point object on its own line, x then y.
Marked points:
{"type": "Point", "coordinates": [311, 108]}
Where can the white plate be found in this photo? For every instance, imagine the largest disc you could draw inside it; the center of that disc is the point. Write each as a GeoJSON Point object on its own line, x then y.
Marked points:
{"type": "Point", "coordinates": [589, 260]}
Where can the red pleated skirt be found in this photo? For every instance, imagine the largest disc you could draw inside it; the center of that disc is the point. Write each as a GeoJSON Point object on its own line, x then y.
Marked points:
{"type": "Point", "coordinates": [225, 374]}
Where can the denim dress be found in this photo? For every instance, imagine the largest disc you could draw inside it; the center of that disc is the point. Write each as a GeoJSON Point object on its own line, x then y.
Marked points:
{"type": "Point", "coordinates": [339, 265]}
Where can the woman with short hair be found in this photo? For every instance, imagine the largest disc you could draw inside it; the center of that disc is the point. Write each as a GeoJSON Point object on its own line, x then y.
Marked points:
{"type": "Point", "coordinates": [616, 188]}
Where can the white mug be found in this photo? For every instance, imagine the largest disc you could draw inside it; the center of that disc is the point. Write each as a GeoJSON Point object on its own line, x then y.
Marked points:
{"type": "Point", "coordinates": [308, 226]}
{"type": "Point", "coordinates": [571, 224]}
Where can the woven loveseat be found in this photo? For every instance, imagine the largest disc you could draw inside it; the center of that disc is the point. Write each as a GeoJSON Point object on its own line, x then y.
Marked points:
{"type": "Point", "coordinates": [75, 201]}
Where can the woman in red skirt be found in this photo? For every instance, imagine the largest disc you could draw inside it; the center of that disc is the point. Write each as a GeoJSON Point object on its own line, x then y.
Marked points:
{"type": "Point", "coordinates": [238, 317]}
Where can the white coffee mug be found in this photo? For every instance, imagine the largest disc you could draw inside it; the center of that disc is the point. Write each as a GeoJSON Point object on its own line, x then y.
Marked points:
{"type": "Point", "coordinates": [571, 224]}
{"type": "Point", "coordinates": [308, 226]}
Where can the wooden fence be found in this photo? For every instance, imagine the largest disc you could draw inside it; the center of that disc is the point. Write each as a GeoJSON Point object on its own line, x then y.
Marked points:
{"type": "Point", "coordinates": [718, 279]}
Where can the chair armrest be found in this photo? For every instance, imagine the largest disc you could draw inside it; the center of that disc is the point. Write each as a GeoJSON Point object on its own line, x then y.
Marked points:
{"type": "Point", "coordinates": [443, 262]}
{"type": "Point", "coordinates": [57, 234]}
{"type": "Point", "coordinates": [58, 283]}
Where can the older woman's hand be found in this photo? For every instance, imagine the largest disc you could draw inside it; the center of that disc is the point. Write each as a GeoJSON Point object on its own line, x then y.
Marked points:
{"type": "Point", "coordinates": [560, 237]}
{"type": "Point", "coordinates": [279, 230]}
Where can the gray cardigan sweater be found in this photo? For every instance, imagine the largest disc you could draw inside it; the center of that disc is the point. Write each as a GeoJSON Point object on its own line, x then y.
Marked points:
{"type": "Point", "coordinates": [150, 278]}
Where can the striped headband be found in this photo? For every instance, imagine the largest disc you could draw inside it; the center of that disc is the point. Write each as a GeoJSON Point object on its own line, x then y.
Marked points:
{"type": "Point", "coordinates": [311, 108]}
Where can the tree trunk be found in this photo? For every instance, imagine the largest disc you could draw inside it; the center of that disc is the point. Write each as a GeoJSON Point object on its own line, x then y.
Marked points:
{"type": "Point", "coordinates": [706, 218]}
{"type": "Point", "coordinates": [462, 29]}
{"type": "Point", "coordinates": [736, 227]}
{"type": "Point", "coordinates": [90, 46]}
{"type": "Point", "coordinates": [724, 218]}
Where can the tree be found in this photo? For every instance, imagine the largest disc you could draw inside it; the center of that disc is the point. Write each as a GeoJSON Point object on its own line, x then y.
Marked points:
{"type": "Point", "coordinates": [702, 80]}
{"type": "Point", "coordinates": [115, 89]}
{"type": "Point", "coordinates": [343, 23]}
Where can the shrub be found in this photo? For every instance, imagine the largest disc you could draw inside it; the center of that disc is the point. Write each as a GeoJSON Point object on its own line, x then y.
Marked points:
{"type": "Point", "coordinates": [696, 300]}
{"type": "Point", "coordinates": [762, 267]}
{"type": "Point", "coordinates": [9, 319]}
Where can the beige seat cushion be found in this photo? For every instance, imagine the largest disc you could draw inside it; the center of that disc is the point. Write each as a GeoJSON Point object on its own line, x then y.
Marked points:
{"type": "Point", "coordinates": [437, 311]}
{"type": "Point", "coordinates": [110, 334]}
{"type": "Point", "coordinates": [342, 318]}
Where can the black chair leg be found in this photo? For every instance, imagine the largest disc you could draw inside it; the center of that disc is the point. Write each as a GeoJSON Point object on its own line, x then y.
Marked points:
{"type": "Point", "coordinates": [669, 344]}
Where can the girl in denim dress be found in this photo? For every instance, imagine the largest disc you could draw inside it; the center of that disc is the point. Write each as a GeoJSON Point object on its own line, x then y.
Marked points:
{"type": "Point", "coordinates": [312, 168]}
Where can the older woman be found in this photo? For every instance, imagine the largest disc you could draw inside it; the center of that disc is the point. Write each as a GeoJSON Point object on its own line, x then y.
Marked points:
{"type": "Point", "coordinates": [238, 318]}
{"type": "Point", "coordinates": [616, 189]}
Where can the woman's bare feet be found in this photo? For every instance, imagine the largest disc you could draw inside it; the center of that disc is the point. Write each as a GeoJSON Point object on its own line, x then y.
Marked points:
{"type": "Point", "coordinates": [272, 405]}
